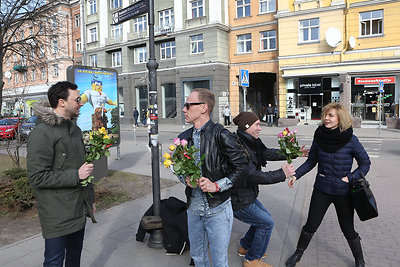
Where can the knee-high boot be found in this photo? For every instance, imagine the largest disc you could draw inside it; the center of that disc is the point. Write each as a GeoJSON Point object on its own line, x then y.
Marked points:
{"type": "Point", "coordinates": [302, 244]}
{"type": "Point", "coordinates": [356, 249]}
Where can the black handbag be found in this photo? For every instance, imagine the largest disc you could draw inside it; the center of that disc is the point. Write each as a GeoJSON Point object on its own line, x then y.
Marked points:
{"type": "Point", "coordinates": [363, 200]}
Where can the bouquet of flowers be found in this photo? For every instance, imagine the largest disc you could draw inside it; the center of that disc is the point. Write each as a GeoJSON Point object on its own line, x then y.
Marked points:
{"type": "Point", "coordinates": [183, 161]}
{"type": "Point", "coordinates": [99, 143]}
{"type": "Point", "coordinates": [288, 145]}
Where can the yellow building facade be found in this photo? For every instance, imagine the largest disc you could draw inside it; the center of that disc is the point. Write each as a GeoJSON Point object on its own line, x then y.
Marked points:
{"type": "Point", "coordinates": [253, 47]}
{"type": "Point", "coordinates": [331, 51]}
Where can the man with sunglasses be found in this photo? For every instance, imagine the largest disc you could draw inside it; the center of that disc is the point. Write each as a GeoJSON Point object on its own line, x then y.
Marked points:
{"type": "Point", "coordinates": [55, 168]}
{"type": "Point", "coordinates": [209, 211]}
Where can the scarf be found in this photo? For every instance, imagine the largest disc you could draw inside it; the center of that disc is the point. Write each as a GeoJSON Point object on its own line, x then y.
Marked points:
{"type": "Point", "coordinates": [256, 145]}
{"type": "Point", "coordinates": [332, 140]}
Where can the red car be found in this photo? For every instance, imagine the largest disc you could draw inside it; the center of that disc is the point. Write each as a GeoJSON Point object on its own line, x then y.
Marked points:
{"type": "Point", "coordinates": [9, 127]}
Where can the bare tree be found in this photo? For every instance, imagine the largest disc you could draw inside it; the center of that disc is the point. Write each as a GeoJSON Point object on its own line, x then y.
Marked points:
{"type": "Point", "coordinates": [27, 28]}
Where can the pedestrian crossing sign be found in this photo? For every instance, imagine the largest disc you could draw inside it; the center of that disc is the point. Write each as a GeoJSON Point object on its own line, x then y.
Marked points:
{"type": "Point", "coordinates": [244, 78]}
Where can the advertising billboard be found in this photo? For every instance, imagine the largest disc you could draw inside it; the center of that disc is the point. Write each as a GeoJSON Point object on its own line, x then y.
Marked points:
{"type": "Point", "coordinates": [98, 88]}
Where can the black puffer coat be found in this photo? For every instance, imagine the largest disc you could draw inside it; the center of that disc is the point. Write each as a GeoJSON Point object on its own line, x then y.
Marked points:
{"type": "Point", "coordinates": [245, 193]}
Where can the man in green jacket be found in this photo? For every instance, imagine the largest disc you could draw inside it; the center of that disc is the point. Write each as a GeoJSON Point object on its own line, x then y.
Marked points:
{"type": "Point", "coordinates": [56, 166]}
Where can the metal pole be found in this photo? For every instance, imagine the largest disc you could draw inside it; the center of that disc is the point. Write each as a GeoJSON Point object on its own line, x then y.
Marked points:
{"type": "Point", "coordinates": [244, 98]}
{"type": "Point", "coordinates": [155, 240]}
{"type": "Point", "coordinates": [380, 110]}
{"type": "Point", "coordinates": [83, 33]}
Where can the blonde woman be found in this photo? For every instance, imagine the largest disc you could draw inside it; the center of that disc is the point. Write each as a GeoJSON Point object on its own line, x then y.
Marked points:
{"type": "Point", "coordinates": [334, 147]}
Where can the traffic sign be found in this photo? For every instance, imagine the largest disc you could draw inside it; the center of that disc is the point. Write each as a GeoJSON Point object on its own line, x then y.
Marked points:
{"type": "Point", "coordinates": [136, 9]}
{"type": "Point", "coordinates": [244, 78]}
{"type": "Point", "coordinates": [381, 86]}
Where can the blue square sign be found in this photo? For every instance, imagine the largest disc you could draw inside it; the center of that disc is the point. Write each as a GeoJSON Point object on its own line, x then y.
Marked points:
{"type": "Point", "coordinates": [244, 78]}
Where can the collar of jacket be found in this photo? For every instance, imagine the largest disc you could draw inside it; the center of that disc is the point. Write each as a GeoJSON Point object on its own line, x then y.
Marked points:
{"type": "Point", "coordinates": [46, 114]}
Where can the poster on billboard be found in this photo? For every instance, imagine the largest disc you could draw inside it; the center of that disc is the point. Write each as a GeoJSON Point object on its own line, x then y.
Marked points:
{"type": "Point", "coordinates": [98, 88]}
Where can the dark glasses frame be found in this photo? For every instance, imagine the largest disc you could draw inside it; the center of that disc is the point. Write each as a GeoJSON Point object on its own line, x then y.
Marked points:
{"type": "Point", "coordinates": [188, 104]}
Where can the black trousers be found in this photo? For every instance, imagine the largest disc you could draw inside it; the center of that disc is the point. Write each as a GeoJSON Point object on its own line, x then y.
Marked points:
{"type": "Point", "coordinates": [320, 203]}
{"type": "Point", "coordinates": [227, 120]}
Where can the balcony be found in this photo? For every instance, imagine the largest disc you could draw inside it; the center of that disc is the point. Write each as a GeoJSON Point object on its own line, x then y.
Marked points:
{"type": "Point", "coordinates": [137, 35]}
{"type": "Point", "coordinates": [164, 29]}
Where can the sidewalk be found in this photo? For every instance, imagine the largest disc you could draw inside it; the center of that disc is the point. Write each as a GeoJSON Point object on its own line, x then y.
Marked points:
{"type": "Point", "coordinates": [111, 242]}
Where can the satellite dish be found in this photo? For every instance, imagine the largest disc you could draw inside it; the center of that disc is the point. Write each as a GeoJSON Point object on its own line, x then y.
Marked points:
{"type": "Point", "coordinates": [333, 37]}
{"type": "Point", "coordinates": [7, 74]}
{"type": "Point", "coordinates": [352, 42]}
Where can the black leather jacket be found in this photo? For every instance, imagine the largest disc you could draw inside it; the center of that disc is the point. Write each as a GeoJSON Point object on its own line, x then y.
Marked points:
{"type": "Point", "coordinates": [224, 158]}
{"type": "Point", "coordinates": [244, 193]}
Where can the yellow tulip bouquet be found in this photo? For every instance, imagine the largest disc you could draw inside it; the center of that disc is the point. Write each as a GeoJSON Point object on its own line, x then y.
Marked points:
{"type": "Point", "coordinates": [288, 145]}
{"type": "Point", "coordinates": [183, 161]}
{"type": "Point", "coordinates": [99, 143]}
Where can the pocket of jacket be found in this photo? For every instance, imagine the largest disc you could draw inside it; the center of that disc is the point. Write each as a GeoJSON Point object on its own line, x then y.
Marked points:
{"type": "Point", "coordinates": [59, 160]}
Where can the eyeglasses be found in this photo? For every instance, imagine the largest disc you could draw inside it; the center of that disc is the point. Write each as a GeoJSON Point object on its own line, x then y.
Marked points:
{"type": "Point", "coordinates": [187, 105]}
{"type": "Point", "coordinates": [78, 99]}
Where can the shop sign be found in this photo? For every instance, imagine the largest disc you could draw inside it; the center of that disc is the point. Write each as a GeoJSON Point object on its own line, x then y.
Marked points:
{"type": "Point", "coordinates": [310, 85]}
{"type": "Point", "coordinates": [374, 80]}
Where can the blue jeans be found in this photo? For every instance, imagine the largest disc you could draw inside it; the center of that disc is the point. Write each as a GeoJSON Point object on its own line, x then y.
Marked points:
{"type": "Point", "coordinates": [67, 246]}
{"type": "Point", "coordinates": [214, 231]}
{"type": "Point", "coordinates": [257, 237]}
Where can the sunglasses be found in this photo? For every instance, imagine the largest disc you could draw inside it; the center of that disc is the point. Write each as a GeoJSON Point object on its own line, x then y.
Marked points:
{"type": "Point", "coordinates": [78, 99]}
{"type": "Point", "coordinates": [187, 105]}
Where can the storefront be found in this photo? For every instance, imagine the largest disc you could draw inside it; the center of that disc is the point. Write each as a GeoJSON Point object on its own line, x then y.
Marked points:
{"type": "Point", "coordinates": [366, 93]}
{"type": "Point", "coordinates": [306, 96]}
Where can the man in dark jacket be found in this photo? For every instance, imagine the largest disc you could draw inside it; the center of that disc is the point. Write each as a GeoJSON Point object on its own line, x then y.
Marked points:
{"type": "Point", "coordinates": [246, 207]}
{"type": "Point", "coordinates": [56, 166]}
{"type": "Point", "coordinates": [270, 115]}
{"type": "Point", "coordinates": [209, 211]}
{"type": "Point", "coordinates": [135, 117]}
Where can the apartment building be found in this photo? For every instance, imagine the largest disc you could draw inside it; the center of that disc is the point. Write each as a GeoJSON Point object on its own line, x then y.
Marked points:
{"type": "Point", "coordinates": [253, 46]}
{"type": "Point", "coordinates": [43, 64]}
{"type": "Point", "coordinates": [345, 51]}
{"type": "Point", "coordinates": [191, 47]}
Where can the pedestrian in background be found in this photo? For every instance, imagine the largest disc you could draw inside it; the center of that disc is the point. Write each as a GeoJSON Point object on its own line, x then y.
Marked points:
{"type": "Point", "coordinates": [334, 147]}
{"type": "Point", "coordinates": [270, 115]}
{"type": "Point", "coordinates": [209, 211]}
{"type": "Point", "coordinates": [135, 117]}
{"type": "Point", "coordinates": [246, 207]}
{"type": "Point", "coordinates": [227, 116]}
{"type": "Point", "coordinates": [143, 117]}
{"type": "Point", "coordinates": [55, 167]}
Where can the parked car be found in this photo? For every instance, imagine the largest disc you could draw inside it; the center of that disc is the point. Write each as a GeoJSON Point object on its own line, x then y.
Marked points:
{"type": "Point", "coordinates": [9, 127]}
{"type": "Point", "coordinates": [27, 127]}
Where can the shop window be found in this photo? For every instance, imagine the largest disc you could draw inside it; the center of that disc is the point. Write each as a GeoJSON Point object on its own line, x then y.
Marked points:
{"type": "Point", "coordinates": [168, 100]}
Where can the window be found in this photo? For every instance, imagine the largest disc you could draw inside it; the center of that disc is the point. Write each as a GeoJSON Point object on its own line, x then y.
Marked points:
{"type": "Point", "coordinates": [16, 78]}
{"type": "Point", "coordinates": [43, 73]}
{"type": "Point", "coordinates": [78, 44]}
{"type": "Point", "coordinates": [267, 6]}
{"type": "Point", "coordinates": [22, 35]}
{"type": "Point", "coordinates": [41, 28]}
{"type": "Point", "coordinates": [167, 50]}
{"type": "Point", "coordinates": [140, 24]}
{"type": "Point", "coordinates": [8, 61]}
{"type": "Point", "coordinates": [93, 60]}
{"type": "Point", "coordinates": [197, 9]}
{"type": "Point", "coordinates": [41, 51]}
{"type": "Point", "coordinates": [54, 23]}
{"type": "Point", "coordinates": [116, 32]}
{"type": "Point", "coordinates": [77, 20]}
{"type": "Point", "coordinates": [92, 7]}
{"type": "Point", "coordinates": [23, 58]}
{"type": "Point", "coordinates": [168, 100]}
{"type": "Point", "coordinates": [33, 76]}
{"type": "Point", "coordinates": [115, 3]}
{"type": "Point", "coordinates": [371, 23]}
{"type": "Point", "coordinates": [55, 67]}
{"type": "Point", "coordinates": [24, 77]}
{"type": "Point", "coordinates": [243, 43]}
{"type": "Point", "coordinates": [242, 8]}
{"type": "Point", "coordinates": [140, 55]}
{"type": "Point", "coordinates": [116, 58]}
{"type": "Point", "coordinates": [93, 34]}
{"type": "Point", "coordinates": [32, 54]}
{"type": "Point", "coordinates": [309, 30]}
{"type": "Point", "coordinates": [268, 40]}
{"type": "Point", "coordinates": [196, 44]}
{"type": "Point", "coordinates": [30, 31]}
{"type": "Point", "coordinates": [54, 47]}
{"type": "Point", "coordinates": [15, 58]}
{"type": "Point", "coordinates": [166, 18]}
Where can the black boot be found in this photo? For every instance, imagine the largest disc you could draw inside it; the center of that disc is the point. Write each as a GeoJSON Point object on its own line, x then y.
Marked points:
{"type": "Point", "coordinates": [355, 246]}
{"type": "Point", "coordinates": [302, 244]}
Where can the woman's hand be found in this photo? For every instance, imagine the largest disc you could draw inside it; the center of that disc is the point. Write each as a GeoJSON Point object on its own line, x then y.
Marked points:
{"type": "Point", "coordinates": [345, 179]}
{"type": "Point", "coordinates": [304, 151]}
{"type": "Point", "coordinates": [291, 181]}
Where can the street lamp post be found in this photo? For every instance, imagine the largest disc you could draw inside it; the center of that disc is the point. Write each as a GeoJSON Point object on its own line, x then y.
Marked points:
{"type": "Point", "coordinates": [155, 240]}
